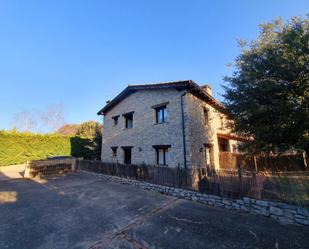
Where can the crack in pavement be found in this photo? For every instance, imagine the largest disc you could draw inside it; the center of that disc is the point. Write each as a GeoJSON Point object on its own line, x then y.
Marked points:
{"type": "Point", "coordinates": [185, 220]}
{"type": "Point", "coordinates": [123, 232]}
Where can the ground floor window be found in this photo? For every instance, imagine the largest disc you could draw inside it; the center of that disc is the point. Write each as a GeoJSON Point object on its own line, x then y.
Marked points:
{"type": "Point", "coordinates": [209, 155]}
{"type": "Point", "coordinates": [114, 151]}
{"type": "Point", "coordinates": [162, 154]}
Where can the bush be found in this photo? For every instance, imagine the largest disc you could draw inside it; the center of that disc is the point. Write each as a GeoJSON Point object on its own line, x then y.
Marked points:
{"type": "Point", "coordinates": [16, 148]}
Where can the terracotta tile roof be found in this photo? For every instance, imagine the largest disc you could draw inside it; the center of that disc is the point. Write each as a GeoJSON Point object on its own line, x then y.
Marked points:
{"type": "Point", "coordinates": [188, 85]}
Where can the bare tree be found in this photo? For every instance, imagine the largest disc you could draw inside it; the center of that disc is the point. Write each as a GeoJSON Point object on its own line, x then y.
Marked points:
{"type": "Point", "coordinates": [25, 120]}
{"type": "Point", "coordinates": [53, 118]}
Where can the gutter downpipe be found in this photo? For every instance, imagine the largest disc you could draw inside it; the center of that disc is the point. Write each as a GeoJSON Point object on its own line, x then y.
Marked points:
{"type": "Point", "coordinates": [183, 132]}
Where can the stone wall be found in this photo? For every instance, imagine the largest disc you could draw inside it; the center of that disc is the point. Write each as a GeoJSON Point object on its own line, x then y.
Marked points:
{"type": "Point", "coordinates": [284, 213]}
{"type": "Point", "coordinates": [145, 132]}
{"type": "Point", "coordinates": [47, 167]}
{"type": "Point", "coordinates": [199, 132]}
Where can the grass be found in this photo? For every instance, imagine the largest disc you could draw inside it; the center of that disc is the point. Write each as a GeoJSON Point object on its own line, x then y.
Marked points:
{"type": "Point", "coordinates": [290, 189]}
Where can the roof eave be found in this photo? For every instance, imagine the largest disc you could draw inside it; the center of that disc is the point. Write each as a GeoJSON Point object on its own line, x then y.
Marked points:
{"type": "Point", "coordinates": [197, 91]}
{"type": "Point", "coordinates": [186, 84]}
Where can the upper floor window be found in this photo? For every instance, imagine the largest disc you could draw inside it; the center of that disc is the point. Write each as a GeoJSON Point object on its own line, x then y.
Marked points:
{"type": "Point", "coordinates": [206, 116]}
{"type": "Point", "coordinates": [129, 120]}
{"type": "Point", "coordinates": [221, 122]}
{"type": "Point", "coordinates": [115, 118]}
{"type": "Point", "coordinates": [161, 114]}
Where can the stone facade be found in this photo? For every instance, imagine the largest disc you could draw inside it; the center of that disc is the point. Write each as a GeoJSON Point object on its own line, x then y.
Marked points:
{"type": "Point", "coordinates": [281, 212]}
{"type": "Point", "coordinates": [202, 132]}
{"type": "Point", "coordinates": [146, 133]}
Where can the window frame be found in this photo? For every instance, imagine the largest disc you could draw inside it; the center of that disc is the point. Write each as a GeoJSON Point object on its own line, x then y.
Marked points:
{"type": "Point", "coordinates": [157, 109]}
{"type": "Point", "coordinates": [116, 120]}
{"type": "Point", "coordinates": [206, 116]}
{"type": "Point", "coordinates": [127, 149]}
{"type": "Point", "coordinates": [128, 116]}
{"type": "Point", "coordinates": [222, 122]}
{"type": "Point", "coordinates": [165, 149]}
{"type": "Point", "coordinates": [114, 151]}
{"type": "Point", "coordinates": [162, 110]}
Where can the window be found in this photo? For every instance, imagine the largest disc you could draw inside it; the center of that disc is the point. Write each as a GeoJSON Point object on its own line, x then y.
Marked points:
{"type": "Point", "coordinates": [161, 114]}
{"type": "Point", "coordinates": [208, 154]}
{"type": "Point", "coordinates": [115, 120]}
{"type": "Point", "coordinates": [129, 120]}
{"type": "Point", "coordinates": [114, 150]}
{"type": "Point", "coordinates": [221, 122]}
{"type": "Point", "coordinates": [206, 116]}
{"type": "Point", "coordinates": [235, 148]}
{"type": "Point", "coordinates": [127, 154]}
{"type": "Point", "coordinates": [162, 154]}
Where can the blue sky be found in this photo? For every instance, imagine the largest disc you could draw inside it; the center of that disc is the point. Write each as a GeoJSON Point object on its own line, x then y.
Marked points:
{"type": "Point", "coordinates": [82, 53]}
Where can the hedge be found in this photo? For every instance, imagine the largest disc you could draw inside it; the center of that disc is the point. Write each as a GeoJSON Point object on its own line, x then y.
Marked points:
{"type": "Point", "coordinates": [17, 148]}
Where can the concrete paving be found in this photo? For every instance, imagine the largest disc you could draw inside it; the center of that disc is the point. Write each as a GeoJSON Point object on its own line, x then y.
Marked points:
{"type": "Point", "coordinates": [12, 172]}
{"type": "Point", "coordinates": [84, 211]}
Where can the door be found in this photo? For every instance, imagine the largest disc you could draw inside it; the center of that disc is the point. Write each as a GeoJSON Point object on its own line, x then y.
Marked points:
{"type": "Point", "coordinates": [127, 155]}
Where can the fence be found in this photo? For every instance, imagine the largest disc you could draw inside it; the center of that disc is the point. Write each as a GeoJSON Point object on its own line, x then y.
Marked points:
{"type": "Point", "coordinates": [291, 188]}
{"type": "Point", "coordinates": [162, 175]}
{"type": "Point", "coordinates": [228, 184]}
{"type": "Point", "coordinates": [277, 163]}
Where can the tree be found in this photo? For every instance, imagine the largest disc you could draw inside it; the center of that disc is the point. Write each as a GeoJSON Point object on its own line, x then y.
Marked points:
{"type": "Point", "coordinates": [68, 129]}
{"type": "Point", "coordinates": [52, 117]}
{"type": "Point", "coordinates": [268, 94]}
{"type": "Point", "coordinates": [92, 130]}
{"type": "Point", "coordinates": [89, 129]}
{"type": "Point", "coordinates": [25, 120]}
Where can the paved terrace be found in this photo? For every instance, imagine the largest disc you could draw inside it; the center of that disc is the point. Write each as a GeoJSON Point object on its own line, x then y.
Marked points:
{"type": "Point", "coordinates": [84, 211]}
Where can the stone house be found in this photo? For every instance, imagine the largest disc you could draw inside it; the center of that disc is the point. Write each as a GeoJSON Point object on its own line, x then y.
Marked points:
{"type": "Point", "coordinates": [171, 124]}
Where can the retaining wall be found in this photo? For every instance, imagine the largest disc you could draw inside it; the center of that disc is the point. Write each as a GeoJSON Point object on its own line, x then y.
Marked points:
{"type": "Point", "coordinates": [284, 213]}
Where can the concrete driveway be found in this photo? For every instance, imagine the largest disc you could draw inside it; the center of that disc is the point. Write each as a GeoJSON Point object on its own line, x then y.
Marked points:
{"type": "Point", "coordinates": [12, 172]}
{"type": "Point", "coordinates": [85, 211]}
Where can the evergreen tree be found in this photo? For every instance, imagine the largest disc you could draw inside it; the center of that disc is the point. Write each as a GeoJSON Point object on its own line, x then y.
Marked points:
{"type": "Point", "coordinates": [268, 94]}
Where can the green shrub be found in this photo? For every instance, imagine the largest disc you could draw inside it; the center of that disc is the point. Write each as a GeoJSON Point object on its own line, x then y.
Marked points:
{"type": "Point", "coordinates": [16, 148]}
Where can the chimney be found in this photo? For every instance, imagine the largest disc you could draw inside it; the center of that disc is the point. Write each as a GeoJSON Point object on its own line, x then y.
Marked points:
{"type": "Point", "coordinates": [207, 89]}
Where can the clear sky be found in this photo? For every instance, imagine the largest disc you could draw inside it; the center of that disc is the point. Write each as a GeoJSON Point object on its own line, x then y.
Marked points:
{"type": "Point", "coordinates": [82, 53]}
